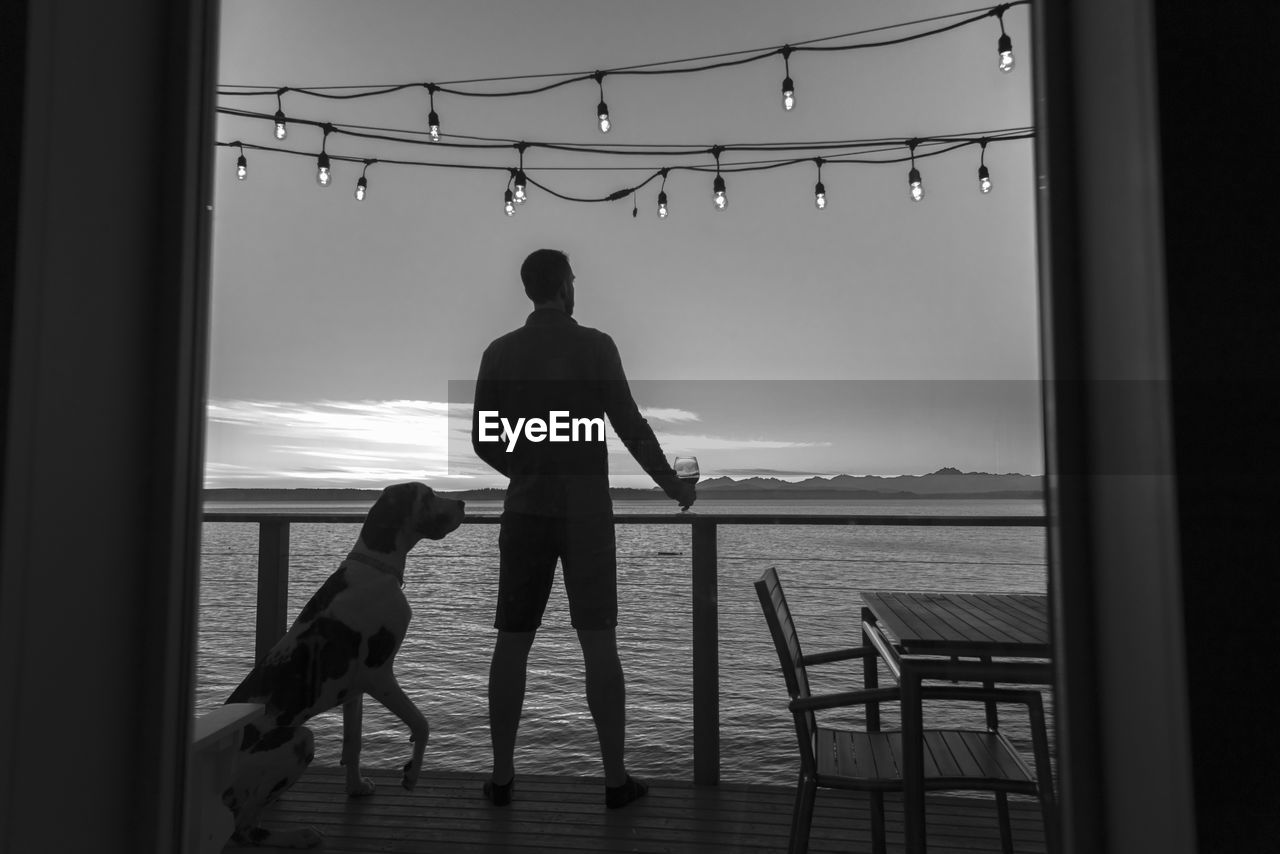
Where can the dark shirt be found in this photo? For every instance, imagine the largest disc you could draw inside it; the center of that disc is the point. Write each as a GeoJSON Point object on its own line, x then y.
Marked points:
{"type": "Point", "coordinates": [554, 364]}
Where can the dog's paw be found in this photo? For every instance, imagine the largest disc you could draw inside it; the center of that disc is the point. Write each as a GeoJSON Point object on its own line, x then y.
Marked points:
{"type": "Point", "coordinates": [361, 789]}
{"type": "Point", "coordinates": [412, 769]}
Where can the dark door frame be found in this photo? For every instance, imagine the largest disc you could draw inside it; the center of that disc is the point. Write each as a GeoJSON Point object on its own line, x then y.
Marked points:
{"type": "Point", "coordinates": [105, 386]}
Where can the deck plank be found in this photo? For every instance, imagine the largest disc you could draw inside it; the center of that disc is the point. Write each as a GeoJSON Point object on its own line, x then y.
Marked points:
{"type": "Point", "coordinates": [564, 814]}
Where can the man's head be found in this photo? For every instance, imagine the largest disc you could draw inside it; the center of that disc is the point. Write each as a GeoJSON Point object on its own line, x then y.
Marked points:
{"type": "Point", "coordinates": [548, 277]}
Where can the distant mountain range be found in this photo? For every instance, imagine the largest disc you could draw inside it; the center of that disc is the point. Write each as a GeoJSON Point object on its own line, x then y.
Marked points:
{"type": "Point", "coordinates": [943, 483]}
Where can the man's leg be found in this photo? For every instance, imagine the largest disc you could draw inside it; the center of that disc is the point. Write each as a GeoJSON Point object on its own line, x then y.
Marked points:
{"type": "Point", "coordinates": [527, 561]}
{"type": "Point", "coordinates": [607, 699]}
{"type": "Point", "coordinates": [506, 698]}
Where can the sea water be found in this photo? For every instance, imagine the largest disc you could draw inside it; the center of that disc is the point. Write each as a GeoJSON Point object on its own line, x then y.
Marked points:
{"type": "Point", "coordinates": [451, 585]}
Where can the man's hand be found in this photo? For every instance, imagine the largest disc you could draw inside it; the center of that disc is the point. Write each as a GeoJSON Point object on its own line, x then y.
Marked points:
{"type": "Point", "coordinates": [686, 495]}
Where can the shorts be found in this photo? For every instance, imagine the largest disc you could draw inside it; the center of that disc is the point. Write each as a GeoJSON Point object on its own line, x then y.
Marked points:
{"type": "Point", "coordinates": [528, 547]}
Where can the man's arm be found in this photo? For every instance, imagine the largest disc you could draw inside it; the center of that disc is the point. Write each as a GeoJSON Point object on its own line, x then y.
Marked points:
{"type": "Point", "coordinates": [634, 430]}
{"type": "Point", "coordinates": [487, 399]}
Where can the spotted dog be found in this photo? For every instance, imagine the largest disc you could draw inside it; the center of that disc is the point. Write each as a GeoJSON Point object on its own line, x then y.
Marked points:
{"type": "Point", "coordinates": [341, 646]}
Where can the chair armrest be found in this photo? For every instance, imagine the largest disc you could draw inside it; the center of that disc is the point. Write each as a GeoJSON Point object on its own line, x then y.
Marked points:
{"type": "Point", "coordinates": [845, 698]}
{"type": "Point", "coordinates": [837, 655]}
{"type": "Point", "coordinates": [880, 643]}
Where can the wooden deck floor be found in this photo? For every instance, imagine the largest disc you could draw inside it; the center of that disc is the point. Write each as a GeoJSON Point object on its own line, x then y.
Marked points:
{"type": "Point", "coordinates": [447, 813]}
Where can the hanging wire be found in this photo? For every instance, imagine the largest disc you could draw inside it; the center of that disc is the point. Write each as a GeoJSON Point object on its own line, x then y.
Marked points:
{"type": "Point", "coordinates": [409, 137]}
{"type": "Point", "coordinates": [676, 66]}
{"type": "Point", "coordinates": [934, 146]}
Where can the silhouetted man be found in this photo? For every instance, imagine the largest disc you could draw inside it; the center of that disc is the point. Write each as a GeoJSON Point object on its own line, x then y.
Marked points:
{"type": "Point", "coordinates": [540, 399]}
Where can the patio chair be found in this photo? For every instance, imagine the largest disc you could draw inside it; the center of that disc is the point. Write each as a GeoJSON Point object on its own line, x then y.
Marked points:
{"type": "Point", "coordinates": [871, 760]}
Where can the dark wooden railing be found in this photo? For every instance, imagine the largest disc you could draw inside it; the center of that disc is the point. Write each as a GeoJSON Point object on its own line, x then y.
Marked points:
{"type": "Point", "coordinates": [273, 587]}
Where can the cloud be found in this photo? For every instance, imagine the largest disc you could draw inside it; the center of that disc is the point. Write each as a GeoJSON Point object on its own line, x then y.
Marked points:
{"type": "Point", "coordinates": [375, 442]}
{"type": "Point", "coordinates": [704, 442]}
{"type": "Point", "coordinates": [671, 416]}
{"type": "Point", "coordinates": [379, 422]}
{"type": "Point", "coordinates": [365, 442]}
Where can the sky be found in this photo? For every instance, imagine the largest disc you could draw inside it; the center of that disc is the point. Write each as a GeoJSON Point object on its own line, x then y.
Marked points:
{"type": "Point", "coordinates": [876, 336]}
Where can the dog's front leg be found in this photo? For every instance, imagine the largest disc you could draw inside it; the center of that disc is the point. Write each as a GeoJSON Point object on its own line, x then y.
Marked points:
{"type": "Point", "coordinates": [352, 719]}
{"type": "Point", "coordinates": [398, 703]}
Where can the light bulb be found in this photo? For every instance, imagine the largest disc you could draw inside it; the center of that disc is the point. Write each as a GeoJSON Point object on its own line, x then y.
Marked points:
{"type": "Point", "coordinates": [602, 112]}
{"type": "Point", "coordinates": [820, 196]}
{"type": "Point", "coordinates": [242, 167]}
{"type": "Point", "coordinates": [984, 178]}
{"type": "Point", "coordinates": [662, 204]}
{"type": "Point", "coordinates": [520, 188]}
{"type": "Point", "coordinates": [509, 204]}
{"type": "Point", "coordinates": [433, 125]}
{"type": "Point", "coordinates": [361, 186]}
{"type": "Point", "coordinates": [324, 176]}
{"type": "Point", "coordinates": [721, 201]}
{"type": "Point", "coordinates": [917, 186]}
{"type": "Point", "coordinates": [1005, 48]}
{"type": "Point", "coordinates": [788, 94]}
{"type": "Point", "coordinates": [281, 132]}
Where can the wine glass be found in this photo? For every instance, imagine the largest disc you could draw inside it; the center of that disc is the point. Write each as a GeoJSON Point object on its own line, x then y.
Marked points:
{"type": "Point", "coordinates": [687, 470]}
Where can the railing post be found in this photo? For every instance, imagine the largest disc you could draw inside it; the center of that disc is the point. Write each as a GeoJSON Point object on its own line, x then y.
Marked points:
{"type": "Point", "coordinates": [273, 584]}
{"type": "Point", "coordinates": [706, 656]}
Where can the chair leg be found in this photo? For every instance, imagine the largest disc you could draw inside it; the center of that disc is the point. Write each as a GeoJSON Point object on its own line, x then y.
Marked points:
{"type": "Point", "coordinates": [802, 815]}
{"type": "Point", "coordinates": [877, 823]}
{"type": "Point", "coordinates": [1006, 832]}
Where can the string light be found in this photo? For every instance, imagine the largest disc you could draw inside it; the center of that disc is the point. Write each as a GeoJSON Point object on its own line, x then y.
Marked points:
{"type": "Point", "coordinates": [242, 165]}
{"type": "Point", "coordinates": [687, 65]}
{"type": "Point", "coordinates": [717, 186]}
{"type": "Point", "coordinates": [520, 181]}
{"type": "Point", "coordinates": [362, 185]}
{"type": "Point", "coordinates": [324, 173]}
{"type": "Point", "coordinates": [602, 109]}
{"type": "Point", "coordinates": [508, 198]}
{"type": "Point", "coordinates": [1004, 46]}
{"type": "Point", "coordinates": [984, 174]}
{"type": "Point", "coordinates": [433, 120]}
{"type": "Point", "coordinates": [846, 153]}
{"type": "Point", "coordinates": [635, 208]}
{"type": "Point", "coordinates": [281, 130]}
{"type": "Point", "coordinates": [941, 24]}
{"type": "Point", "coordinates": [788, 87]}
{"type": "Point", "coordinates": [913, 177]}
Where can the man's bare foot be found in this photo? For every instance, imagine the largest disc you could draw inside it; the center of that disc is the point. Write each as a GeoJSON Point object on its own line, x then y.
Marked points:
{"type": "Point", "coordinates": [361, 788]}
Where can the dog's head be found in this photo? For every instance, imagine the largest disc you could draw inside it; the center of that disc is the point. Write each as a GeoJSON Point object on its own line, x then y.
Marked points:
{"type": "Point", "coordinates": [406, 513]}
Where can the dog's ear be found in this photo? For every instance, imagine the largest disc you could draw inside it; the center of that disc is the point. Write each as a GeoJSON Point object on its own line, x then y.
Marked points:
{"type": "Point", "coordinates": [387, 516]}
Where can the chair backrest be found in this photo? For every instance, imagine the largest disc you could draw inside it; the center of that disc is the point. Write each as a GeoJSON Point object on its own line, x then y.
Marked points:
{"type": "Point", "coordinates": [785, 640]}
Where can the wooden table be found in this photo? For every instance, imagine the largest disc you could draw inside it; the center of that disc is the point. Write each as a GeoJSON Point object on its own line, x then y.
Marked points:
{"type": "Point", "coordinates": [969, 637]}
{"type": "Point", "coordinates": [963, 624]}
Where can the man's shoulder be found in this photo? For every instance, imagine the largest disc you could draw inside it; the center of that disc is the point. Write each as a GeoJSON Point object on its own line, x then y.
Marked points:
{"type": "Point", "coordinates": [593, 333]}
{"type": "Point", "coordinates": [521, 334]}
